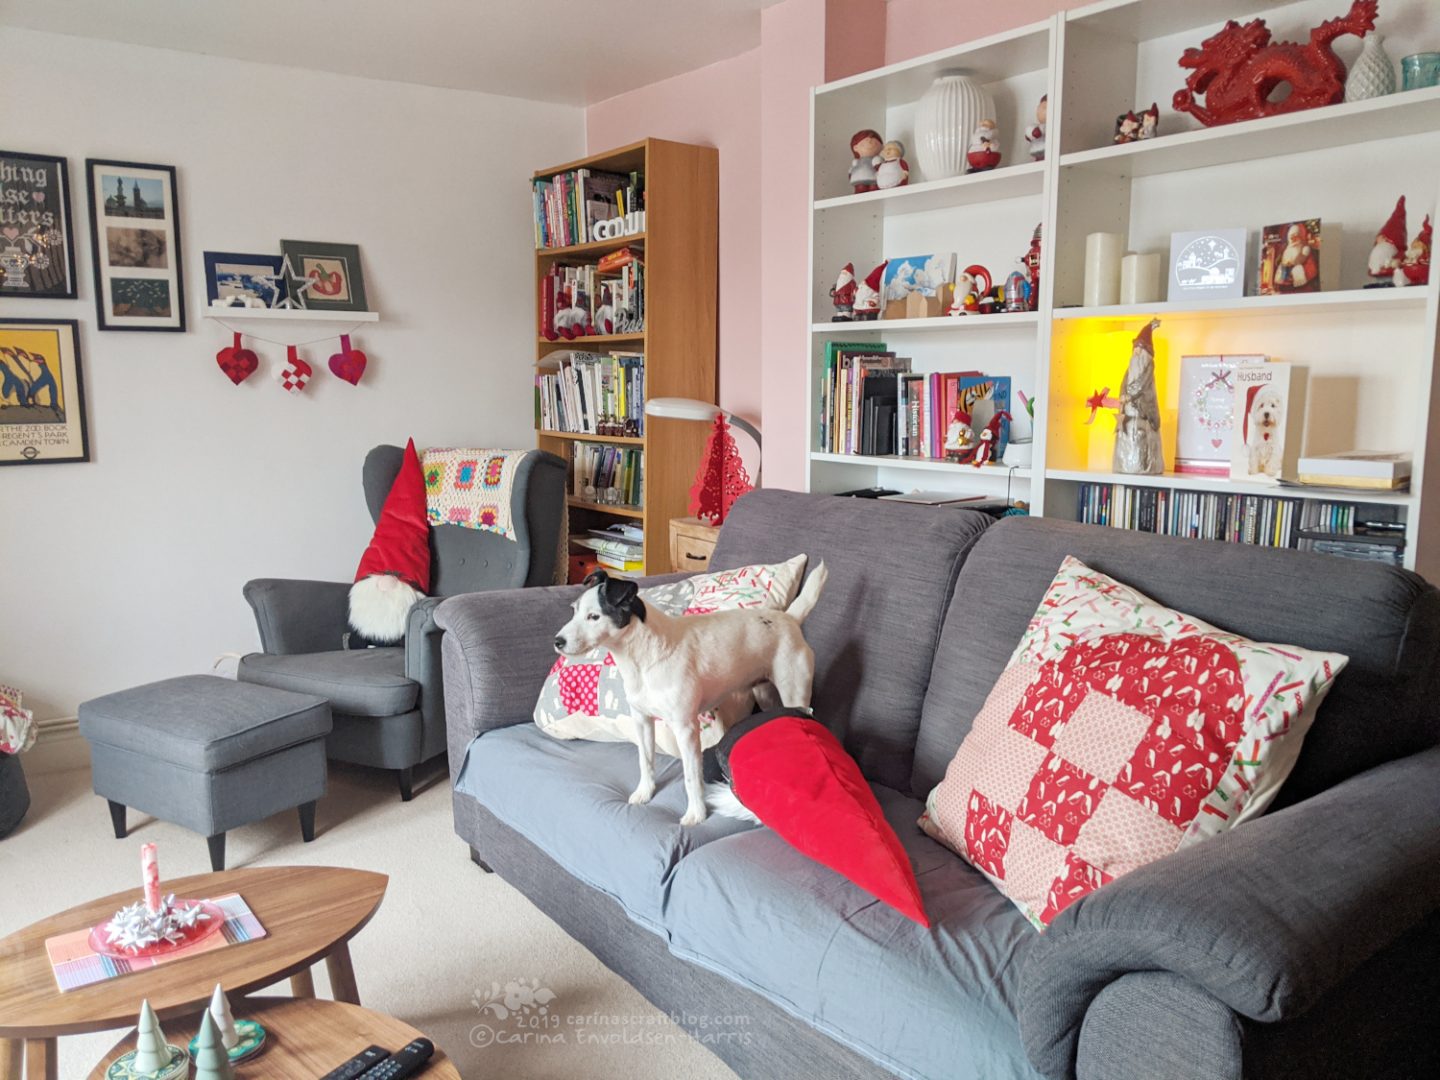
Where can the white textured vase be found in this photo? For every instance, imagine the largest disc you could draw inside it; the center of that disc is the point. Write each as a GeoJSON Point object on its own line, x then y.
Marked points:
{"type": "Point", "coordinates": [945, 117]}
{"type": "Point", "coordinates": [1373, 73]}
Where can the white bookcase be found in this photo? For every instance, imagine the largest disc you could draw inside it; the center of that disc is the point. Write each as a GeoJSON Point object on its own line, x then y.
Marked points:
{"type": "Point", "coordinates": [1370, 355]}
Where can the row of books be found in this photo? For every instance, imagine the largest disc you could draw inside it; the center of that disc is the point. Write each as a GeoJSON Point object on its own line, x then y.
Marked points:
{"type": "Point", "coordinates": [567, 205]}
{"type": "Point", "coordinates": [612, 475]}
{"type": "Point", "coordinates": [578, 301]}
{"type": "Point", "coordinates": [580, 391]}
{"type": "Point", "coordinates": [620, 547]}
{"type": "Point", "coordinates": [1352, 531]}
{"type": "Point", "coordinates": [1238, 519]}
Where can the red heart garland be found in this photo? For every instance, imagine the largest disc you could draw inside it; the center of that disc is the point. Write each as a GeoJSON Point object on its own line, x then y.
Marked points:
{"type": "Point", "coordinates": [348, 364]}
{"type": "Point", "coordinates": [237, 362]}
{"type": "Point", "coordinates": [296, 372]}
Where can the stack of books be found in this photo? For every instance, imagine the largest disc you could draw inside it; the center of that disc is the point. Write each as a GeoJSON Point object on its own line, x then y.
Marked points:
{"type": "Point", "coordinates": [1358, 469]}
{"type": "Point", "coordinates": [567, 205]}
{"type": "Point", "coordinates": [579, 391]}
{"type": "Point", "coordinates": [1237, 519]}
{"type": "Point", "coordinates": [620, 547]}
{"type": "Point", "coordinates": [607, 474]}
{"type": "Point", "coordinates": [1352, 532]}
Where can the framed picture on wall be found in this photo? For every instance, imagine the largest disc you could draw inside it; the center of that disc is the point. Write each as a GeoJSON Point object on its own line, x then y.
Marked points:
{"type": "Point", "coordinates": [42, 395]}
{"type": "Point", "coordinates": [230, 275]}
{"type": "Point", "coordinates": [135, 244]}
{"type": "Point", "coordinates": [37, 246]}
{"type": "Point", "coordinates": [332, 271]}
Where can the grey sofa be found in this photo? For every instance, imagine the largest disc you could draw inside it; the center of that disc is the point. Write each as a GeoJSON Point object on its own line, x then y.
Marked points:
{"type": "Point", "coordinates": [1303, 944]}
{"type": "Point", "coordinates": [388, 703]}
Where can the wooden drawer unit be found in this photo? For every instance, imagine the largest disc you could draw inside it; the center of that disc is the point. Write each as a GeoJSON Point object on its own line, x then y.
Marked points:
{"type": "Point", "coordinates": [691, 544]}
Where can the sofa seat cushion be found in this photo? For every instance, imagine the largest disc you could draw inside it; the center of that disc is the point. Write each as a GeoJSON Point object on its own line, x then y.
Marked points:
{"type": "Point", "coordinates": [357, 682]}
{"type": "Point", "coordinates": [204, 723]}
{"type": "Point", "coordinates": [934, 1003]}
{"type": "Point", "coordinates": [571, 800]}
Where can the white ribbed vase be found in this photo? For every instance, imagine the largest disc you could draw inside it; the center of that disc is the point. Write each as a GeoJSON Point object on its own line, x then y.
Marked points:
{"type": "Point", "coordinates": [945, 117]}
{"type": "Point", "coordinates": [1373, 73]}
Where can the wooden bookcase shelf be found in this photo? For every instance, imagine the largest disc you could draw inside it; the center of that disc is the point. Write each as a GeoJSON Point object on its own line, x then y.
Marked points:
{"type": "Point", "coordinates": [1370, 354]}
{"type": "Point", "coordinates": [681, 246]}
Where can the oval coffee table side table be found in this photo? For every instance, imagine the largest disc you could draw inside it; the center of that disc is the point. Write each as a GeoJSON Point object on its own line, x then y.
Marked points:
{"type": "Point", "coordinates": [309, 914]}
{"type": "Point", "coordinates": [306, 1038]}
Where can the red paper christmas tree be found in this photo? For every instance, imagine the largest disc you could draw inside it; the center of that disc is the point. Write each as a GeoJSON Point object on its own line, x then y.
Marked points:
{"type": "Point", "coordinates": [721, 478]}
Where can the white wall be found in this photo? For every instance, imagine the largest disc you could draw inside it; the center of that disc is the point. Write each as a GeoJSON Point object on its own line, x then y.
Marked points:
{"type": "Point", "coordinates": [129, 568]}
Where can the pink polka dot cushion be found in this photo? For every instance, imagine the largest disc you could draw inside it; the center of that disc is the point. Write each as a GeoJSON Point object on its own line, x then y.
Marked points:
{"type": "Point", "coordinates": [1121, 731]}
{"type": "Point", "coordinates": [584, 697]}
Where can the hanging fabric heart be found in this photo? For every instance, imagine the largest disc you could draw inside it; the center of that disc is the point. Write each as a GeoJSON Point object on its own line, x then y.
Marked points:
{"type": "Point", "coordinates": [348, 364]}
{"type": "Point", "coordinates": [237, 362]}
{"type": "Point", "coordinates": [296, 372]}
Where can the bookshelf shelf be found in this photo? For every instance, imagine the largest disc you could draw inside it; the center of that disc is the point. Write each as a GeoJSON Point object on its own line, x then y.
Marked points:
{"type": "Point", "coordinates": [930, 465]}
{"type": "Point", "coordinates": [1350, 301]}
{"type": "Point", "coordinates": [1009, 182]}
{"type": "Point", "coordinates": [681, 245]}
{"type": "Point", "coordinates": [1225, 486]}
{"type": "Point", "coordinates": [943, 324]}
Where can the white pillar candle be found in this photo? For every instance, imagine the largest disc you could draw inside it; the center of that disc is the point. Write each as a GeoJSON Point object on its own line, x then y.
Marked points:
{"type": "Point", "coordinates": [1102, 268]}
{"type": "Point", "coordinates": [1140, 279]}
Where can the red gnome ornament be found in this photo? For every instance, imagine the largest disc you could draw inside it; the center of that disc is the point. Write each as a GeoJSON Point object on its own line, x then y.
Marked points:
{"type": "Point", "coordinates": [1415, 270]}
{"type": "Point", "coordinates": [394, 572]}
{"type": "Point", "coordinates": [1390, 244]}
{"type": "Point", "coordinates": [721, 478]}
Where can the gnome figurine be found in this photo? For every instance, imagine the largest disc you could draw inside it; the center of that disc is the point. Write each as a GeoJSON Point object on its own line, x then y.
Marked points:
{"type": "Point", "coordinates": [394, 572]}
{"type": "Point", "coordinates": [211, 1060]}
{"type": "Point", "coordinates": [1137, 429]}
{"type": "Point", "coordinates": [867, 294]}
{"type": "Point", "coordinates": [843, 294]}
{"type": "Point", "coordinates": [1389, 250]}
{"type": "Point", "coordinates": [1415, 270]}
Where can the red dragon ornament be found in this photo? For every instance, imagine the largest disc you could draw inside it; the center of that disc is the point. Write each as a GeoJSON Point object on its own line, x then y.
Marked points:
{"type": "Point", "coordinates": [1240, 68]}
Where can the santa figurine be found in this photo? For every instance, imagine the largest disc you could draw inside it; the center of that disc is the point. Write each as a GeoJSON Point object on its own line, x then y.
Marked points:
{"type": "Point", "coordinates": [1150, 121]}
{"type": "Point", "coordinates": [984, 154]}
{"type": "Point", "coordinates": [969, 290]}
{"type": "Point", "coordinates": [1036, 135]}
{"type": "Point", "coordinates": [867, 294]}
{"type": "Point", "coordinates": [989, 439]}
{"type": "Point", "coordinates": [891, 168]}
{"type": "Point", "coordinates": [394, 572]}
{"type": "Point", "coordinates": [1299, 269]}
{"type": "Point", "coordinates": [1390, 242]}
{"type": "Point", "coordinates": [1415, 270]}
{"type": "Point", "coordinates": [864, 149]}
{"type": "Point", "coordinates": [959, 437]}
{"type": "Point", "coordinates": [843, 294]}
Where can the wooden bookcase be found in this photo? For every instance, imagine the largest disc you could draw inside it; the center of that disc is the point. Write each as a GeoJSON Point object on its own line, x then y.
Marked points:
{"type": "Point", "coordinates": [681, 246]}
{"type": "Point", "coordinates": [1370, 354]}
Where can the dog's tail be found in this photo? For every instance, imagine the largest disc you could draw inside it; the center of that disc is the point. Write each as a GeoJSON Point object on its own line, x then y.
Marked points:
{"type": "Point", "coordinates": [721, 800]}
{"type": "Point", "coordinates": [810, 594]}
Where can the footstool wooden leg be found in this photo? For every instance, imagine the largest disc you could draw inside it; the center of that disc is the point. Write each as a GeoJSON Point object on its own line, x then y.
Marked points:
{"type": "Point", "coordinates": [12, 1058]}
{"type": "Point", "coordinates": [41, 1061]}
{"type": "Point", "coordinates": [407, 783]}
{"type": "Point", "coordinates": [342, 975]}
{"type": "Point", "coordinates": [478, 861]}
{"type": "Point", "coordinates": [217, 851]}
{"type": "Point", "coordinates": [302, 984]}
{"type": "Point", "coordinates": [307, 821]}
{"type": "Point", "coordinates": [117, 818]}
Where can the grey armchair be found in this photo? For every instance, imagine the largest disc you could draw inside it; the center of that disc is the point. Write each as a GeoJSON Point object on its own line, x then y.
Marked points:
{"type": "Point", "coordinates": [388, 703]}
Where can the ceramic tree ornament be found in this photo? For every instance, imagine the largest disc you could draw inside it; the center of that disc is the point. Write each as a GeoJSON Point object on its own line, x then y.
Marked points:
{"type": "Point", "coordinates": [212, 1062]}
{"type": "Point", "coordinates": [153, 1057]}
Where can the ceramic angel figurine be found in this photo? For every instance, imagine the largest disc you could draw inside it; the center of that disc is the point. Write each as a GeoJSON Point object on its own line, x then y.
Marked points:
{"type": "Point", "coordinates": [984, 153]}
{"type": "Point", "coordinates": [891, 168]}
{"type": "Point", "coordinates": [1036, 135]}
{"type": "Point", "coordinates": [864, 147]}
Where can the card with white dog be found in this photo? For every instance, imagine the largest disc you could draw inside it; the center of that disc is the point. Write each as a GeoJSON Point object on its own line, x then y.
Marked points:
{"type": "Point", "coordinates": [1269, 406]}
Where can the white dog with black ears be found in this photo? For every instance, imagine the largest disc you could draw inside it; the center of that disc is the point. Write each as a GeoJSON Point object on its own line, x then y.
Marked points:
{"type": "Point", "coordinates": [676, 667]}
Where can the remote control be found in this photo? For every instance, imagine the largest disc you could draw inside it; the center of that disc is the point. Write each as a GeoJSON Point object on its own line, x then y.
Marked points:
{"type": "Point", "coordinates": [406, 1061]}
{"type": "Point", "coordinates": [358, 1064]}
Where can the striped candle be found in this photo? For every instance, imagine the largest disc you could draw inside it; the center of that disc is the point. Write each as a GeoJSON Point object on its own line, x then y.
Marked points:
{"type": "Point", "coordinates": [150, 871]}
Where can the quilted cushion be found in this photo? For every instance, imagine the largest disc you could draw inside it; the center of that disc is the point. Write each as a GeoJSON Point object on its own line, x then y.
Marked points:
{"type": "Point", "coordinates": [357, 682]}
{"type": "Point", "coordinates": [1121, 731]}
{"type": "Point", "coordinates": [584, 696]}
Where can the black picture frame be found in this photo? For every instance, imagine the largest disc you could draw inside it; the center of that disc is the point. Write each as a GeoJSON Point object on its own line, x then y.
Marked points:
{"type": "Point", "coordinates": [133, 214]}
{"type": "Point", "coordinates": [29, 454]}
{"type": "Point", "coordinates": [297, 252]}
{"type": "Point", "coordinates": [14, 185]}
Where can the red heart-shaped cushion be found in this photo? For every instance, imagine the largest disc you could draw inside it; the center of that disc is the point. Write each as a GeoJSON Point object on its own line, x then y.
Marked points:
{"type": "Point", "coordinates": [237, 364]}
{"type": "Point", "coordinates": [349, 365]}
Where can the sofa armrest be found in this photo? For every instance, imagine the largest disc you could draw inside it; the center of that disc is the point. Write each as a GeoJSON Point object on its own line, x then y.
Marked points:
{"type": "Point", "coordinates": [423, 665]}
{"type": "Point", "coordinates": [299, 616]}
{"type": "Point", "coordinates": [1265, 918]}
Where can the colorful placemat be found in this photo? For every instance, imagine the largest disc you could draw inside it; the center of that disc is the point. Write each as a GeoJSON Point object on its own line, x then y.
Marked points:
{"type": "Point", "coordinates": [75, 964]}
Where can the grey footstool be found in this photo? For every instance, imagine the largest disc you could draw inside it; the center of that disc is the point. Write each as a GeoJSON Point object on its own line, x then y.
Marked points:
{"type": "Point", "coordinates": [208, 753]}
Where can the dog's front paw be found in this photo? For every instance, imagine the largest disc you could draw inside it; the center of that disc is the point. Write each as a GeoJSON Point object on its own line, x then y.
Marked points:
{"type": "Point", "coordinates": [642, 794]}
{"type": "Point", "coordinates": [694, 816]}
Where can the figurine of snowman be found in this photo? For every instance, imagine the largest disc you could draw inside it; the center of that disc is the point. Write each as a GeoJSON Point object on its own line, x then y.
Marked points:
{"type": "Point", "coordinates": [891, 168]}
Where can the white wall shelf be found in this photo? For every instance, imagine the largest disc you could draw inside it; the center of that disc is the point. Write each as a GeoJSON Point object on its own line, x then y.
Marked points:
{"type": "Point", "coordinates": [286, 326]}
{"type": "Point", "coordinates": [1352, 301]}
{"type": "Point", "coordinates": [925, 465]}
{"type": "Point", "coordinates": [1223, 485]}
{"type": "Point", "coordinates": [290, 315]}
{"type": "Point", "coordinates": [944, 324]}
{"type": "Point", "coordinates": [1006, 182]}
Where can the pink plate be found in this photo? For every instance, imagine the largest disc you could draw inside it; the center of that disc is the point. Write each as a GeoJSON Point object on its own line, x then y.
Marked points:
{"type": "Point", "coordinates": [102, 947]}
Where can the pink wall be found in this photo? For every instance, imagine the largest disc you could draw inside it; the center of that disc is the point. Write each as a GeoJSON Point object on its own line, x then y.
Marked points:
{"type": "Point", "coordinates": [917, 27]}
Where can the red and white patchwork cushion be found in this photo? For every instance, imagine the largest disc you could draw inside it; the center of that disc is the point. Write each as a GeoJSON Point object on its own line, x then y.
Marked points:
{"type": "Point", "coordinates": [1121, 731]}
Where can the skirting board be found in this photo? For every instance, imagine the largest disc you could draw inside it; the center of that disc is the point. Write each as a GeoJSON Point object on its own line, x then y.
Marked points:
{"type": "Point", "coordinates": [58, 747]}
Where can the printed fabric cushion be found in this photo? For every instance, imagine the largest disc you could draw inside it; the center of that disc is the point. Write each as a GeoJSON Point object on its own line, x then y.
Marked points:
{"type": "Point", "coordinates": [584, 696]}
{"type": "Point", "coordinates": [1120, 731]}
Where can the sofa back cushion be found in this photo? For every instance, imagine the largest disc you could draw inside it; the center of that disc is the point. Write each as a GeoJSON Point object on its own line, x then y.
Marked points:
{"type": "Point", "coordinates": [892, 567]}
{"type": "Point", "coordinates": [1386, 620]}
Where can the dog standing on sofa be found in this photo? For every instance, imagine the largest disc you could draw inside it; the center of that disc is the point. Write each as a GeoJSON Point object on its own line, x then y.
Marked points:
{"type": "Point", "coordinates": [676, 667]}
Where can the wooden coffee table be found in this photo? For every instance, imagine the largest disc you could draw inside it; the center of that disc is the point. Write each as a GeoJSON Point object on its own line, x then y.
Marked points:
{"type": "Point", "coordinates": [305, 1038]}
{"type": "Point", "coordinates": [309, 913]}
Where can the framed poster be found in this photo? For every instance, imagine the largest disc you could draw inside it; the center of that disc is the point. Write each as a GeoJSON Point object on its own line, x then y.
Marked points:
{"type": "Point", "coordinates": [330, 273]}
{"type": "Point", "coordinates": [42, 396]}
{"type": "Point", "coordinates": [135, 244]}
{"type": "Point", "coordinates": [37, 249]}
{"type": "Point", "coordinates": [232, 276]}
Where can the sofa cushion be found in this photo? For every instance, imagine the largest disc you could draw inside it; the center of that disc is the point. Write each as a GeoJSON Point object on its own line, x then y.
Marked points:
{"type": "Point", "coordinates": [571, 800]}
{"type": "Point", "coordinates": [936, 1003]}
{"type": "Point", "coordinates": [892, 567]}
{"type": "Point", "coordinates": [202, 722]}
{"type": "Point", "coordinates": [1386, 620]}
{"type": "Point", "coordinates": [357, 682]}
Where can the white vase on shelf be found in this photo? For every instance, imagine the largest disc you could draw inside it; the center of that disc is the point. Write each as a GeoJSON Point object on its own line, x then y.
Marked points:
{"type": "Point", "coordinates": [1373, 73]}
{"type": "Point", "coordinates": [945, 116]}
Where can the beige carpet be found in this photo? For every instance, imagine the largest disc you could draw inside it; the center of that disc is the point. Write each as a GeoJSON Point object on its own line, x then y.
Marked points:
{"type": "Point", "coordinates": [446, 932]}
